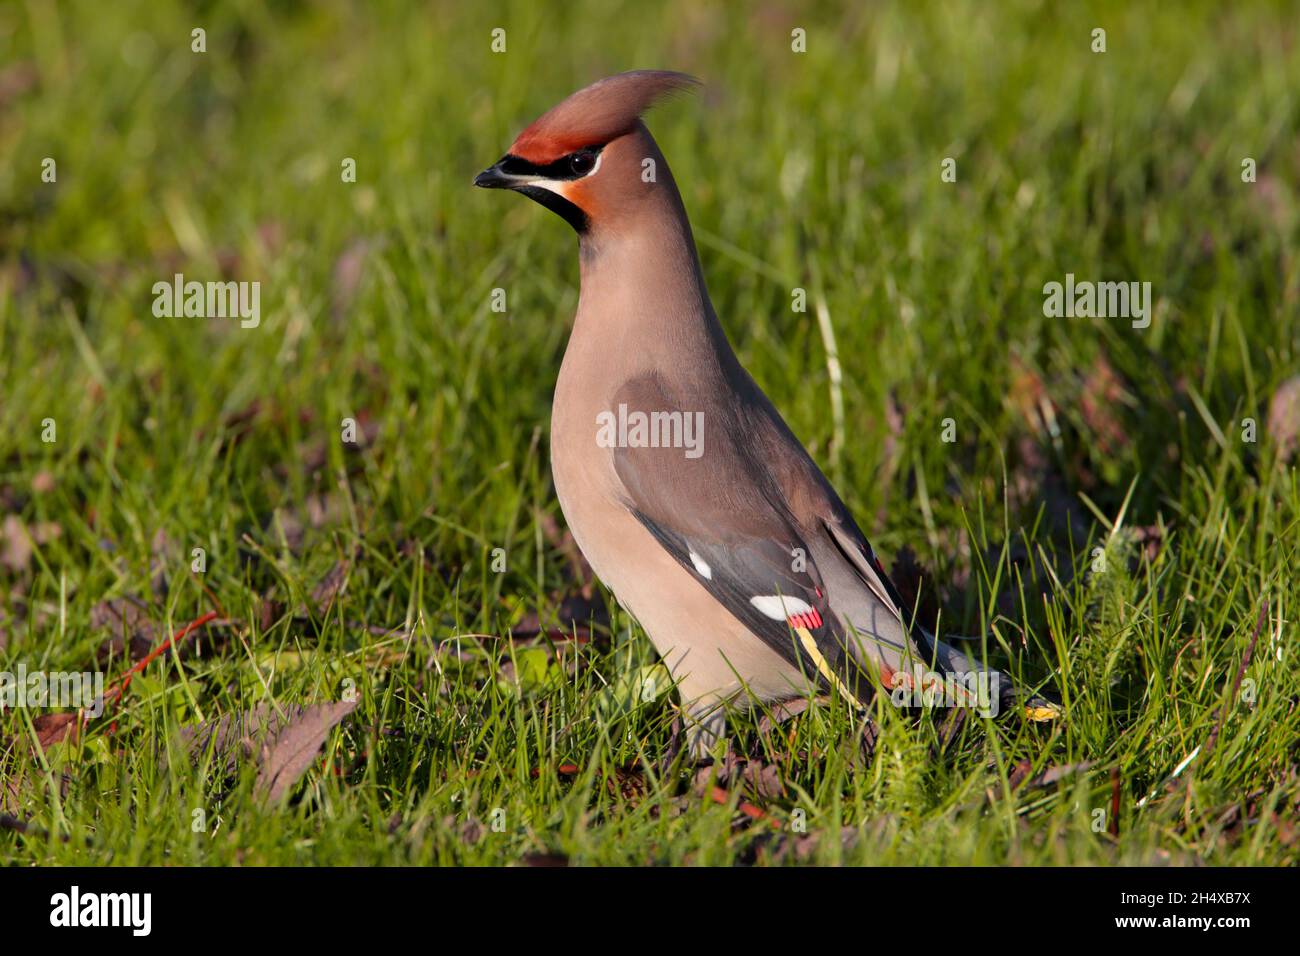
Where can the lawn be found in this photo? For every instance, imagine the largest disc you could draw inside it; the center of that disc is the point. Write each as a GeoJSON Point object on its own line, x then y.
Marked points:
{"type": "Point", "coordinates": [354, 494]}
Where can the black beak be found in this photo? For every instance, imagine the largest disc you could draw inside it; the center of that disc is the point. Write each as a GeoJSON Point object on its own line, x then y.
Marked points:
{"type": "Point", "coordinates": [494, 178]}
{"type": "Point", "coordinates": [510, 172]}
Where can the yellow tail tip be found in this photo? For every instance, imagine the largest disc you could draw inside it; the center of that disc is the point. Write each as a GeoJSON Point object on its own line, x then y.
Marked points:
{"type": "Point", "coordinates": [1041, 711]}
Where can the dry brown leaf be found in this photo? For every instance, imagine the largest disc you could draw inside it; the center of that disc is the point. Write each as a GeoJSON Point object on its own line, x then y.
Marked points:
{"type": "Point", "coordinates": [763, 780]}
{"type": "Point", "coordinates": [327, 590]}
{"type": "Point", "coordinates": [1048, 777]}
{"type": "Point", "coordinates": [760, 780]}
{"type": "Point", "coordinates": [282, 741]}
{"type": "Point", "coordinates": [286, 757]}
{"type": "Point", "coordinates": [55, 728]}
{"type": "Point", "coordinates": [133, 631]}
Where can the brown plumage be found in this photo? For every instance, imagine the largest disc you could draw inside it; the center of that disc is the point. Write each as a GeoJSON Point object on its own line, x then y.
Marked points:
{"type": "Point", "coordinates": [734, 553]}
{"type": "Point", "coordinates": [597, 114]}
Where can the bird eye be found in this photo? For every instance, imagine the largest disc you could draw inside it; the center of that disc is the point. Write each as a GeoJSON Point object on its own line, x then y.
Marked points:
{"type": "Point", "coordinates": [582, 162]}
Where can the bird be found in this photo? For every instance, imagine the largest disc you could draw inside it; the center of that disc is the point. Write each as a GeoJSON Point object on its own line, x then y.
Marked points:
{"type": "Point", "coordinates": [682, 485]}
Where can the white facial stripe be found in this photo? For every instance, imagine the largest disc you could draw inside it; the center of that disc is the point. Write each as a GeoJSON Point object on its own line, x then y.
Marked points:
{"type": "Point", "coordinates": [560, 186]}
{"type": "Point", "coordinates": [554, 185]}
{"type": "Point", "coordinates": [779, 608]}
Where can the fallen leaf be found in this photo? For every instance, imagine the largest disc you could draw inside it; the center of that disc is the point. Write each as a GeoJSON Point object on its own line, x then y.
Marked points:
{"type": "Point", "coordinates": [286, 757]}
{"type": "Point", "coordinates": [329, 587]}
{"type": "Point", "coordinates": [785, 710]}
{"type": "Point", "coordinates": [762, 780]}
{"type": "Point", "coordinates": [1019, 774]}
{"type": "Point", "coordinates": [269, 611]}
{"type": "Point", "coordinates": [133, 631]}
{"type": "Point", "coordinates": [281, 741]}
{"type": "Point", "coordinates": [1051, 775]}
{"type": "Point", "coordinates": [54, 728]}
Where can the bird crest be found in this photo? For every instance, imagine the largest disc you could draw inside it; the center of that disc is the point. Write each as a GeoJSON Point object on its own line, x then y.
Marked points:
{"type": "Point", "coordinates": [598, 113]}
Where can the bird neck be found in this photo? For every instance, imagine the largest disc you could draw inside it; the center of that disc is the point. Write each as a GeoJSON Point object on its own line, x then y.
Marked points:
{"type": "Point", "coordinates": [643, 291]}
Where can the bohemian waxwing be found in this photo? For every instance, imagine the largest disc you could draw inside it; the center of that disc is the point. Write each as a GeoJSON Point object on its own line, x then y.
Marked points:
{"type": "Point", "coordinates": [682, 485]}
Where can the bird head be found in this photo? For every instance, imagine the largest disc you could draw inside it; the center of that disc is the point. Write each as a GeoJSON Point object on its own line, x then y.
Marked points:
{"type": "Point", "coordinates": [585, 158]}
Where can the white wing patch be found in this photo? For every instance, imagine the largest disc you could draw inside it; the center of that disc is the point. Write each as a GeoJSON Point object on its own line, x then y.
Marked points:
{"type": "Point", "coordinates": [779, 608]}
{"type": "Point", "coordinates": [702, 566]}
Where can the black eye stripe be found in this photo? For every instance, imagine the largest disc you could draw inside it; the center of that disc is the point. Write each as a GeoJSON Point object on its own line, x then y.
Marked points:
{"type": "Point", "coordinates": [561, 169]}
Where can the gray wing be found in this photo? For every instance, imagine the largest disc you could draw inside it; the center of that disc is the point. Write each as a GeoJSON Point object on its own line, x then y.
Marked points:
{"type": "Point", "coordinates": [719, 509]}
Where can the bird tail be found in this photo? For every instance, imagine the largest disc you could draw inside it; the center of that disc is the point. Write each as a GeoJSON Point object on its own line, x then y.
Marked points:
{"type": "Point", "coordinates": [1010, 695]}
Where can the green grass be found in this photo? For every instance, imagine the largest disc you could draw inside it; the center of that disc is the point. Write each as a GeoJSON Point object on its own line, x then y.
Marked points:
{"type": "Point", "coordinates": [817, 171]}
